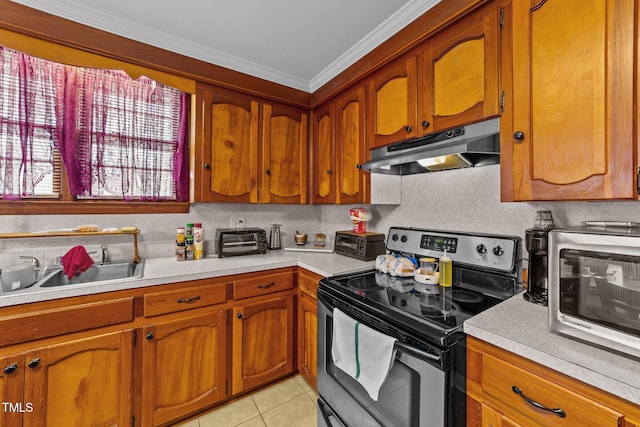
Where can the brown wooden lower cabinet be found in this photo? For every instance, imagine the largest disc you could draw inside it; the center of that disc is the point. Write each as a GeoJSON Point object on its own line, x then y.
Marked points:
{"type": "Point", "coordinates": [73, 382]}
{"type": "Point", "coordinates": [151, 356]}
{"type": "Point", "coordinates": [503, 390]}
{"type": "Point", "coordinates": [308, 325]}
{"type": "Point", "coordinates": [262, 341]}
{"type": "Point", "coordinates": [184, 365]}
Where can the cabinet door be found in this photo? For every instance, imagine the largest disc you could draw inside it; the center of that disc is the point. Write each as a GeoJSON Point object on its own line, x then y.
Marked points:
{"type": "Point", "coordinates": [352, 183]}
{"type": "Point", "coordinates": [229, 165]}
{"type": "Point", "coordinates": [86, 382]}
{"type": "Point", "coordinates": [323, 155]}
{"type": "Point", "coordinates": [262, 342]}
{"type": "Point", "coordinates": [307, 338]}
{"type": "Point", "coordinates": [284, 155]}
{"type": "Point", "coordinates": [572, 131]}
{"type": "Point", "coordinates": [184, 366]}
{"type": "Point", "coordinates": [11, 390]}
{"type": "Point", "coordinates": [461, 79]}
{"type": "Point", "coordinates": [391, 108]}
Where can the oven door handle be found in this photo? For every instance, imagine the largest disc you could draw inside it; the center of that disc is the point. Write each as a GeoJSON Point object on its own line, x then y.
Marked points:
{"type": "Point", "coordinates": [420, 354]}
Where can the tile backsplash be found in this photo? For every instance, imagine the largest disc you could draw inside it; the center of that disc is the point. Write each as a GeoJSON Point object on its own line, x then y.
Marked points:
{"type": "Point", "coordinates": [464, 200]}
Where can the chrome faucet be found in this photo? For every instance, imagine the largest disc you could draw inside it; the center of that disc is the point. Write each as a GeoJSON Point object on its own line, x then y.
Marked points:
{"type": "Point", "coordinates": [106, 258]}
{"type": "Point", "coordinates": [35, 261]}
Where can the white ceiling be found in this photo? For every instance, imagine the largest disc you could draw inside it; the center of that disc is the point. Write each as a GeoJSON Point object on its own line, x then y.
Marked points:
{"type": "Point", "coordinates": [298, 43]}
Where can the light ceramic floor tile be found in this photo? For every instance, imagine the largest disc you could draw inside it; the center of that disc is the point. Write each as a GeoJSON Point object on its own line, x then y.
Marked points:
{"type": "Point", "coordinates": [253, 422]}
{"type": "Point", "coordinates": [303, 383]}
{"type": "Point", "coordinates": [277, 394]}
{"type": "Point", "coordinates": [231, 415]}
{"type": "Point", "coordinates": [313, 396]}
{"type": "Point", "coordinates": [190, 423]}
{"type": "Point", "coordinates": [299, 412]}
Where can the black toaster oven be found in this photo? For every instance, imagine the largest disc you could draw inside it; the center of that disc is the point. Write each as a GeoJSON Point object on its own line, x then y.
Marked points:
{"type": "Point", "coordinates": [240, 241]}
{"type": "Point", "coordinates": [365, 247]}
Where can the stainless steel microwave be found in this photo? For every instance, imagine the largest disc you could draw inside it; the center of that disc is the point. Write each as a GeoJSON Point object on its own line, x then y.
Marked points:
{"type": "Point", "coordinates": [594, 286]}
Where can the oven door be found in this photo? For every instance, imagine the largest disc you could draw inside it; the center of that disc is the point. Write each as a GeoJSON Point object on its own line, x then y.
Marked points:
{"type": "Point", "coordinates": [419, 390]}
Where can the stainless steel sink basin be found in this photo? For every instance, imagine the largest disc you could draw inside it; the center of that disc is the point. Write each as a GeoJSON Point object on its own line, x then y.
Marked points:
{"type": "Point", "coordinates": [94, 274]}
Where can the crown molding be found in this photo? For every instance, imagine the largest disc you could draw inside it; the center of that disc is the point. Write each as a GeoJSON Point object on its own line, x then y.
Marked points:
{"type": "Point", "coordinates": [375, 38]}
{"type": "Point", "coordinates": [88, 16]}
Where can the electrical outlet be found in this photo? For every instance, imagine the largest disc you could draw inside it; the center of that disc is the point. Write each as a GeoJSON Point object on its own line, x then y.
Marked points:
{"type": "Point", "coordinates": [238, 222]}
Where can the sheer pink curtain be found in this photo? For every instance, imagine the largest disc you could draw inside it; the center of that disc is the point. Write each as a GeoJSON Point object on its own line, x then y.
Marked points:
{"type": "Point", "coordinates": [118, 137]}
{"type": "Point", "coordinates": [133, 136]}
{"type": "Point", "coordinates": [27, 122]}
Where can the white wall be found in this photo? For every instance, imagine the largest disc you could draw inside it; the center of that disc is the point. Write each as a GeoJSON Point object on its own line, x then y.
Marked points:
{"type": "Point", "coordinates": [157, 231]}
{"type": "Point", "coordinates": [465, 200]}
{"type": "Point", "coordinates": [469, 200]}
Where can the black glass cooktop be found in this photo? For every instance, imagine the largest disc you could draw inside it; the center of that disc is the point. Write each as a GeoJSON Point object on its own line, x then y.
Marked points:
{"type": "Point", "coordinates": [429, 310]}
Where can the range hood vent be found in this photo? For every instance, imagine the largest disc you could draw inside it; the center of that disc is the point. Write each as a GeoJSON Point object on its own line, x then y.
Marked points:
{"type": "Point", "coordinates": [477, 144]}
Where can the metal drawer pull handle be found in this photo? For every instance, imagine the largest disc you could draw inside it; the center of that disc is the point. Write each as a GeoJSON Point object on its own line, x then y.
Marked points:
{"type": "Point", "coordinates": [268, 285]}
{"type": "Point", "coordinates": [188, 300]}
{"type": "Point", "coordinates": [11, 369]}
{"type": "Point", "coordinates": [559, 412]}
{"type": "Point", "coordinates": [34, 363]}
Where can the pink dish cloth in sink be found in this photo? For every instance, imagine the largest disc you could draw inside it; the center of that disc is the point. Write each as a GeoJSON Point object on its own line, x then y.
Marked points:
{"type": "Point", "coordinates": [75, 261]}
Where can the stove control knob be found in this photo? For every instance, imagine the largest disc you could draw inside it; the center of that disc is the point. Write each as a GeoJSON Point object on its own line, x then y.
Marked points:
{"type": "Point", "coordinates": [394, 237]}
{"type": "Point", "coordinates": [481, 249]}
{"type": "Point", "coordinates": [403, 302]}
{"type": "Point", "coordinates": [498, 251]}
{"type": "Point", "coordinates": [404, 238]}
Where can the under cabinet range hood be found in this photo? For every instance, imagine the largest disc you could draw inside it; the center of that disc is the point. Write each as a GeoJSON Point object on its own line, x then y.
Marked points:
{"type": "Point", "coordinates": [477, 144]}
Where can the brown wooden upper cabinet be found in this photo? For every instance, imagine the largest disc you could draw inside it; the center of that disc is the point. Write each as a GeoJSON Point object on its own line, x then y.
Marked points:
{"type": "Point", "coordinates": [461, 73]}
{"type": "Point", "coordinates": [245, 144]}
{"type": "Point", "coordinates": [284, 155]}
{"type": "Point", "coordinates": [338, 148]}
{"type": "Point", "coordinates": [451, 80]}
{"type": "Point", "coordinates": [392, 103]}
{"type": "Point", "coordinates": [572, 132]}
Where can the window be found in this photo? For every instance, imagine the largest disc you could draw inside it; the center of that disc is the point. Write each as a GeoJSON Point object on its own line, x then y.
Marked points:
{"type": "Point", "coordinates": [116, 138]}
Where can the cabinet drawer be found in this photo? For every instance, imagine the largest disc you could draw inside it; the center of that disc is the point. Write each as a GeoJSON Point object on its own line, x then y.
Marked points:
{"type": "Point", "coordinates": [500, 379]}
{"type": "Point", "coordinates": [184, 299]}
{"type": "Point", "coordinates": [262, 285]}
{"type": "Point", "coordinates": [64, 320]}
{"type": "Point", "coordinates": [308, 282]}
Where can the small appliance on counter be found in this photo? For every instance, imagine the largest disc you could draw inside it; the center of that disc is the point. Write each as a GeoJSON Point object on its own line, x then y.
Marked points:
{"type": "Point", "coordinates": [240, 241]}
{"type": "Point", "coordinates": [364, 247]}
{"type": "Point", "coordinates": [536, 242]}
{"type": "Point", "coordinates": [594, 284]}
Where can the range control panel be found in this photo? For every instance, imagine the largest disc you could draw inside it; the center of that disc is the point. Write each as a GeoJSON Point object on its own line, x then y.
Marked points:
{"type": "Point", "coordinates": [494, 251]}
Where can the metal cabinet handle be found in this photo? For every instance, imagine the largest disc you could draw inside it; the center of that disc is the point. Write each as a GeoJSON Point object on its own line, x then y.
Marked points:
{"type": "Point", "coordinates": [11, 369]}
{"type": "Point", "coordinates": [149, 336]}
{"type": "Point", "coordinates": [188, 300]}
{"type": "Point", "coordinates": [329, 172]}
{"type": "Point", "coordinates": [34, 363]}
{"type": "Point", "coordinates": [518, 135]}
{"type": "Point", "coordinates": [239, 315]}
{"type": "Point", "coordinates": [425, 124]}
{"type": "Point", "coordinates": [267, 285]}
{"type": "Point", "coordinates": [408, 128]}
{"type": "Point", "coordinates": [207, 166]}
{"type": "Point", "coordinates": [559, 412]}
{"type": "Point", "coordinates": [268, 172]}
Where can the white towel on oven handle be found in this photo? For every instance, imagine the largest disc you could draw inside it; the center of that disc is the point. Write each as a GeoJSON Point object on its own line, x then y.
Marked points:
{"type": "Point", "coordinates": [363, 353]}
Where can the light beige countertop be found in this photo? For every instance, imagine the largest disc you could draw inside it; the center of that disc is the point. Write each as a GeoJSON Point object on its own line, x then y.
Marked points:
{"type": "Point", "coordinates": [159, 271]}
{"type": "Point", "coordinates": [520, 327]}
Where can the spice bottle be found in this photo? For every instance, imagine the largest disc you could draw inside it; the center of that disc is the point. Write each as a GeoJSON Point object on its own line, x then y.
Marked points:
{"type": "Point", "coordinates": [198, 241]}
{"type": "Point", "coordinates": [180, 245]}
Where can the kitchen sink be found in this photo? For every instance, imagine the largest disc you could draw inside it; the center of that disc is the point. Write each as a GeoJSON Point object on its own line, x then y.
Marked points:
{"type": "Point", "coordinates": [54, 276]}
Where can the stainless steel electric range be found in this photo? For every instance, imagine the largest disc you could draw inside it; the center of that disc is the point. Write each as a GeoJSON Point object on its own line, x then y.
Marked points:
{"type": "Point", "coordinates": [426, 383]}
